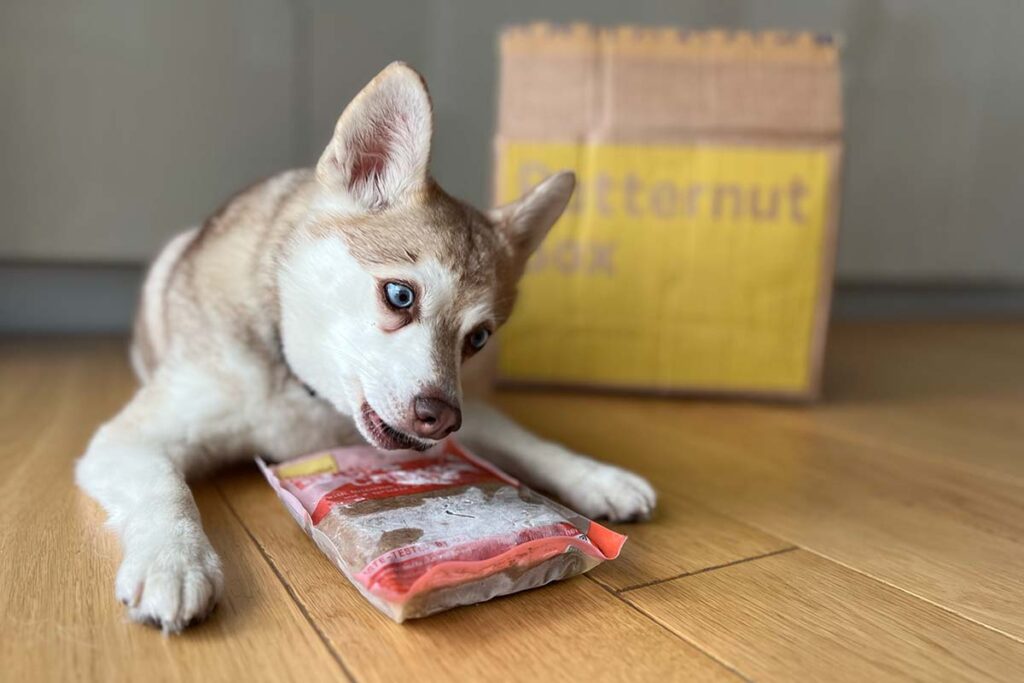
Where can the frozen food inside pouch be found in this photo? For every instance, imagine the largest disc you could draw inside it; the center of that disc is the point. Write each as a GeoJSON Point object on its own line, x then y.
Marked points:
{"type": "Point", "coordinates": [421, 532]}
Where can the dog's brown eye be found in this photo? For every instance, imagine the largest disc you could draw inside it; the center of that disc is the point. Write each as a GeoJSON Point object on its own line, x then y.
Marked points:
{"type": "Point", "coordinates": [478, 337]}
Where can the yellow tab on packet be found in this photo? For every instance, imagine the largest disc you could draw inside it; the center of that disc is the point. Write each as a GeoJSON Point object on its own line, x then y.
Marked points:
{"type": "Point", "coordinates": [318, 464]}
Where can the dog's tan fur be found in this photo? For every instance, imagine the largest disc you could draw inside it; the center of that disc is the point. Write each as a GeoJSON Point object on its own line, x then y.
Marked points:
{"type": "Point", "coordinates": [266, 331]}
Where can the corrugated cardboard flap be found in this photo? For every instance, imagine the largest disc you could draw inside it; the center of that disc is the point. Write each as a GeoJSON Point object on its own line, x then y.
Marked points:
{"type": "Point", "coordinates": [632, 83]}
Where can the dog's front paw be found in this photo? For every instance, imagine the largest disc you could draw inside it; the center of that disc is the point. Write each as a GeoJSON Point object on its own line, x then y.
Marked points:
{"type": "Point", "coordinates": [170, 583]}
{"type": "Point", "coordinates": [613, 493]}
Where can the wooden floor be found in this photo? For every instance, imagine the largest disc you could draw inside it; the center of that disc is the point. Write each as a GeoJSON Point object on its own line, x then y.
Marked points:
{"type": "Point", "coordinates": [877, 536]}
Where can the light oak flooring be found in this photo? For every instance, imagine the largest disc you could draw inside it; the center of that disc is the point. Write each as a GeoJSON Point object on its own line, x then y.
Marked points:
{"type": "Point", "coordinates": [876, 536]}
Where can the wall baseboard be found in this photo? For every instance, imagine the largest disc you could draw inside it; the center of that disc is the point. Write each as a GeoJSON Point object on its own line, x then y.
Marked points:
{"type": "Point", "coordinates": [60, 298]}
{"type": "Point", "coordinates": [896, 301]}
{"type": "Point", "coordinates": [68, 298]}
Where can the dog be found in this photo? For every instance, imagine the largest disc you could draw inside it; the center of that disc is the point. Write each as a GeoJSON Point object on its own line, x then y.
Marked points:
{"type": "Point", "coordinates": [317, 308]}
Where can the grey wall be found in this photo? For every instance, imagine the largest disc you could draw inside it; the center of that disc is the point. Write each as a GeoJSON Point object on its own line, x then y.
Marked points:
{"type": "Point", "coordinates": [122, 122]}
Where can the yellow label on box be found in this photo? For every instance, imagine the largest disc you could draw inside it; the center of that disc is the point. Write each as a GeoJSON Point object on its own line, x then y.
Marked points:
{"type": "Point", "coordinates": [674, 267]}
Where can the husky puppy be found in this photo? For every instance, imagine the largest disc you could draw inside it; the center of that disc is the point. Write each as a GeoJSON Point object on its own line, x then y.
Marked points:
{"type": "Point", "coordinates": [317, 308]}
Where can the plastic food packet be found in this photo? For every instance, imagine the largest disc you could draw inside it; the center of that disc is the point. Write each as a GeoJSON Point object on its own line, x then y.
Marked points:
{"type": "Point", "coordinates": [422, 532]}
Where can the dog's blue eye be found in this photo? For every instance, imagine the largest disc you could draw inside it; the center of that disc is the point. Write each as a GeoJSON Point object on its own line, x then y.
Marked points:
{"type": "Point", "coordinates": [399, 295]}
{"type": "Point", "coordinates": [478, 338]}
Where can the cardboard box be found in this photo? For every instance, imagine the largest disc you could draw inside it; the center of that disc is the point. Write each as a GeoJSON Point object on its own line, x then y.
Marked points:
{"type": "Point", "coordinates": [698, 252]}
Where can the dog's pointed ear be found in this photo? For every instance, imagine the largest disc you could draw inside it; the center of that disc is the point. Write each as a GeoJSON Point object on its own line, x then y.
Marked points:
{"type": "Point", "coordinates": [526, 221]}
{"type": "Point", "coordinates": [381, 146]}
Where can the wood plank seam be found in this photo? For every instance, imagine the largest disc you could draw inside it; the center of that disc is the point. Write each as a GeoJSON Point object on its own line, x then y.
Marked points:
{"type": "Point", "coordinates": [798, 534]}
{"type": "Point", "coordinates": [944, 608]}
{"type": "Point", "coordinates": [729, 667]}
{"type": "Point", "coordinates": [824, 555]}
{"type": "Point", "coordinates": [702, 570]}
{"type": "Point", "coordinates": [799, 616]}
{"type": "Point", "coordinates": [351, 677]}
{"type": "Point", "coordinates": [287, 586]}
{"type": "Point", "coordinates": [871, 444]}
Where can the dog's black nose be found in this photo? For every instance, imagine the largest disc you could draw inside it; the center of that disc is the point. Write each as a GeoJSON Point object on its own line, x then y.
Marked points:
{"type": "Point", "coordinates": [435, 417]}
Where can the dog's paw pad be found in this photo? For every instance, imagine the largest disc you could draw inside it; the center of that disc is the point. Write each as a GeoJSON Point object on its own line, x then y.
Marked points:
{"type": "Point", "coordinates": [614, 494]}
{"type": "Point", "coordinates": [172, 586]}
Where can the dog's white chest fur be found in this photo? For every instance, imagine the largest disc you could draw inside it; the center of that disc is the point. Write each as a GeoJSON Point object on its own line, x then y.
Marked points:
{"type": "Point", "coordinates": [291, 423]}
{"type": "Point", "coordinates": [239, 408]}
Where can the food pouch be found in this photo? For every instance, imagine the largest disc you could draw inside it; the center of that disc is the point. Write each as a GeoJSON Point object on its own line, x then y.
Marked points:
{"type": "Point", "coordinates": [421, 532]}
